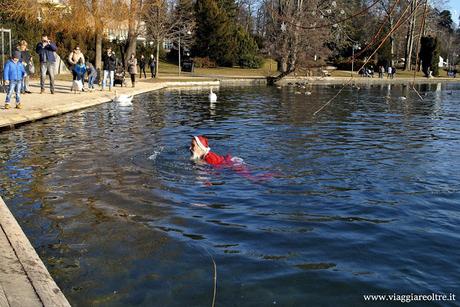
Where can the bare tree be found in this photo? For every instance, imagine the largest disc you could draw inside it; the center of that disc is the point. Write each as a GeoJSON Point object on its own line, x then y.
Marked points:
{"type": "Point", "coordinates": [297, 31]}
{"type": "Point", "coordinates": [410, 36]}
{"type": "Point", "coordinates": [163, 24]}
{"type": "Point", "coordinates": [134, 13]}
{"type": "Point", "coordinates": [71, 16]}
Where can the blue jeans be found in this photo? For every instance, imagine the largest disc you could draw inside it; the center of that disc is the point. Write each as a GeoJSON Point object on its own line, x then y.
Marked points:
{"type": "Point", "coordinates": [91, 80]}
{"type": "Point", "coordinates": [108, 75]}
{"type": "Point", "coordinates": [15, 86]}
{"type": "Point", "coordinates": [25, 84]}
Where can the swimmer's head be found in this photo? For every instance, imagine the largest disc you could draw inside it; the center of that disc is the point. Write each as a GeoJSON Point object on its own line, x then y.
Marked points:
{"type": "Point", "coordinates": [199, 147]}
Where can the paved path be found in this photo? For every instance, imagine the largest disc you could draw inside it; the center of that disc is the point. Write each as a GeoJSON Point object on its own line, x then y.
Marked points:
{"type": "Point", "coordinates": [24, 279]}
{"type": "Point", "coordinates": [37, 106]}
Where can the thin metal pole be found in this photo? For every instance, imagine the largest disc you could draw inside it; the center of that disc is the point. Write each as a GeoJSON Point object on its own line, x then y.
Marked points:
{"type": "Point", "coordinates": [352, 59]}
{"type": "Point", "coordinates": [179, 54]}
{"type": "Point", "coordinates": [3, 54]}
{"type": "Point", "coordinates": [9, 34]}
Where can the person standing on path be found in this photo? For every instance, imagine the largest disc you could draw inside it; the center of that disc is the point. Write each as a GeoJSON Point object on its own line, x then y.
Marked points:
{"type": "Point", "coordinates": [132, 68]}
{"type": "Point", "coordinates": [13, 75]}
{"type": "Point", "coordinates": [46, 50]}
{"type": "Point", "coordinates": [381, 71]}
{"type": "Point", "coordinates": [142, 67]}
{"type": "Point", "coordinates": [25, 60]}
{"type": "Point", "coordinates": [109, 68]}
{"type": "Point", "coordinates": [74, 58]}
{"type": "Point", "coordinates": [152, 64]}
{"type": "Point", "coordinates": [92, 74]}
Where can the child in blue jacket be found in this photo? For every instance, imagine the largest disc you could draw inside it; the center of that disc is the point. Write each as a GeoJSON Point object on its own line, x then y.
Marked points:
{"type": "Point", "coordinates": [13, 74]}
{"type": "Point", "coordinates": [80, 71]}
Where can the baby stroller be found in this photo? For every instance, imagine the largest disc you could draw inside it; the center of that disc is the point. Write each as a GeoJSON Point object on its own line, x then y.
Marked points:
{"type": "Point", "coordinates": [119, 76]}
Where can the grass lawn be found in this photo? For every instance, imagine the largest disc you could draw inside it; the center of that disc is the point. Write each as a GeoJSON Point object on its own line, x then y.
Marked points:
{"type": "Point", "coordinates": [170, 72]}
{"type": "Point", "coordinates": [267, 69]}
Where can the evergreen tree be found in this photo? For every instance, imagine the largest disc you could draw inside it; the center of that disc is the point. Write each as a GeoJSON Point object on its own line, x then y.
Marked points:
{"type": "Point", "coordinates": [429, 55]}
{"type": "Point", "coordinates": [219, 37]}
{"type": "Point", "coordinates": [212, 32]}
{"type": "Point", "coordinates": [247, 49]}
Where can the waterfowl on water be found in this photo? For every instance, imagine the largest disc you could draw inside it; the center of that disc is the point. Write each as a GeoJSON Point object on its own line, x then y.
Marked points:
{"type": "Point", "coordinates": [212, 96]}
{"type": "Point", "coordinates": [123, 100]}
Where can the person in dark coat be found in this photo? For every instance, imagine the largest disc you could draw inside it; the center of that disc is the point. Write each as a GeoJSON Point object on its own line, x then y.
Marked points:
{"type": "Point", "coordinates": [45, 50]}
{"type": "Point", "coordinates": [26, 60]}
{"type": "Point", "coordinates": [152, 64]}
{"type": "Point", "coordinates": [109, 68]}
{"type": "Point", "coordinates": [142, 67]}
{"type": "Point", "coordinates": [132, 68]}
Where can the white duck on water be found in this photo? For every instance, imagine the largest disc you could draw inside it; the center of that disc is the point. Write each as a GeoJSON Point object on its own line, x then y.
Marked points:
{"type": "Point", "coordinates": [123, 100]}
{"type": "Point", "coordinates": [212, 96]}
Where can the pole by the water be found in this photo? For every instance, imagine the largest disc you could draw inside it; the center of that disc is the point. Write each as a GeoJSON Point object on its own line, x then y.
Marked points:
{"type": "Point", "coordinates": [179, 54]}
{"type": "Point", "coordinates": [352, 59]}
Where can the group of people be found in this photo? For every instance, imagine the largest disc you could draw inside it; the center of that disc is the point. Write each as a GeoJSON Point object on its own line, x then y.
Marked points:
{"type": "Point", "coordinates": [21, 65]}
{"type": "Point", "coordinates": [18, 69]}
{"type": "Point", "coordinates": [369, 72]}
{"type": "Point", "coordinates": [110, 67]}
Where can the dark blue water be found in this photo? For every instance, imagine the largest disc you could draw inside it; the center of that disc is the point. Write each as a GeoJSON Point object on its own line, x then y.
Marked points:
{"type": "Point", "coordinates": [361, 199]}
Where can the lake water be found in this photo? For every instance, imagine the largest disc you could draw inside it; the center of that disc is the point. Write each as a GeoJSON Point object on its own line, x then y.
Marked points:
{"type": "Point", "coordinates": [364, 198]}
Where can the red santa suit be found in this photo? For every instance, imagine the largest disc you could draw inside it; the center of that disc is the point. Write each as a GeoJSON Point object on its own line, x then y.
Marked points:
{"type": "Point", "coordinates": [227, 161]}
{"type": "Point", "coordinates": [209, 156]}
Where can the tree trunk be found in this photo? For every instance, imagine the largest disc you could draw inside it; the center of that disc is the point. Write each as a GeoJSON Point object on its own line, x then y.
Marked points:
{"type": "Point", "coordinates": [98, 60]}
{"type": "Point", "coordinates": [392, 42]}
{"type": "Point", "coordinates": [132, 33]}
{"type": "Point", "coordinates": [410, 38]}
{"type": "Point", "coordinates": [130, 46]}
{"type": "Point", "coordinates": [157, 67]}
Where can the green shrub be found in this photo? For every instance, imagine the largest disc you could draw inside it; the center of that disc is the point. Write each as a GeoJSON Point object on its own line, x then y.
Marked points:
{"type": "Point", "coordinates": [250, 61]}
{"type": "Point", "coordinates": [204, 62]}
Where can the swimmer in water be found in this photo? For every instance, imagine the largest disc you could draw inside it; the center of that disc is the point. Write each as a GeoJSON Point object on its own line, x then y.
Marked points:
{"type": "Point", "coordinates": [202, 152]}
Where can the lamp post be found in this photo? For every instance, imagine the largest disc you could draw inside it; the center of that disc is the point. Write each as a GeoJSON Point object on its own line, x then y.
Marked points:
{"type": "Point", "coordinates": [188, 33]}
{"type": "Point", "coordinates": [353, 47]}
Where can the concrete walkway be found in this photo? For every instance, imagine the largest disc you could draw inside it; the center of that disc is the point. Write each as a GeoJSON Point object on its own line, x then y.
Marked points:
{"type": "Point", "coordinates": [37, 106]}
{"type": "Point", "coordinates": [24, 279]}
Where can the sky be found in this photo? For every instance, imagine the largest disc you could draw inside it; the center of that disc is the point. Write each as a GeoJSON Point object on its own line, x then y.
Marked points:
{"type": "Point", "coordinates": [454, 7]}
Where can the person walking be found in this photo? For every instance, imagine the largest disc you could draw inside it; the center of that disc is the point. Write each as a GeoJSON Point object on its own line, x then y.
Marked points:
{"type": "Point", "coordinates": [381, 71]}
{"type": "Point", "coordinates": [46, 50]}
{"type": "Point", "coordinates": [109, 68]}
{"type": "Point", "coordinates": [92, 74]}
{"type": "Point", "coordinates": [142, 67]}
{"type": "Point", "coordinates": [132, 68]}
{"type": "Point", "coordinates": [13, 74]}
{"type": "Point", "coordinates": [152, 64]}
{"type": "Point", "coordinates": [389, 72]}
{"type": "Point", "coordinates": [393, 72]}
{"type": "Point", "coordinates": [25, 60]}
{"type": "Point", "coordinates": [74, 58]}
